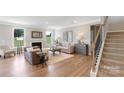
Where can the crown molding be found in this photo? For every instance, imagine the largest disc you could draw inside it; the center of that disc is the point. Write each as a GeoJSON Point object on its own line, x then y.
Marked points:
{"type": "Point", "coordinates": [97, 21]}
{"type": "Point", "coordinates": [52, 28]}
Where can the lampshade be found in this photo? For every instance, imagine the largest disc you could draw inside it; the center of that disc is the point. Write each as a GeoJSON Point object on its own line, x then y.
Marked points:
{"type": "Point", "coordinates": [81, 37]}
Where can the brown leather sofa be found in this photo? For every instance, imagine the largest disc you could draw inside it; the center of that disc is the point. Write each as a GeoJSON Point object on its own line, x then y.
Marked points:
{"type": "Point", "coordinates": [31, 56]}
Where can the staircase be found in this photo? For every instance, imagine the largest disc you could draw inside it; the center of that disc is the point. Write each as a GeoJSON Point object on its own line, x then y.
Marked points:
{"type": "Point", "coordinates": [112, 61]}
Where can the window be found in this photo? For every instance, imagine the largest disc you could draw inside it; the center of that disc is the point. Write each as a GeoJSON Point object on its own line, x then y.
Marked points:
{"type": "Point", "coordinates": [48, 38]}
{"type": "Point", "coordinates": [18, 37]}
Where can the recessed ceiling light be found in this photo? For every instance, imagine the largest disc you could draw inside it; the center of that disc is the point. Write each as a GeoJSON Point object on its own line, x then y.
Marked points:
{"type": "Point", "coordinates": [74, 21]}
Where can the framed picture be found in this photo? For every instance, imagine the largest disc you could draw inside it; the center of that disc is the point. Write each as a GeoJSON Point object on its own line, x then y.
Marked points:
{"type": "Point", "coordinates": [37, 34]}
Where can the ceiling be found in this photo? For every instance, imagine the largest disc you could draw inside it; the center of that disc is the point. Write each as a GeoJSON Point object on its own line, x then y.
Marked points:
{"type": "Point", "coordinates": [47, 21]}
{"type": "Point", "coordinates": [116, 20]}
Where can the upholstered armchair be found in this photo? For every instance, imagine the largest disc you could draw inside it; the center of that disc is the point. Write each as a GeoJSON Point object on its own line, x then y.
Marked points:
{"type": "Point", "coordinates": [6, 51]}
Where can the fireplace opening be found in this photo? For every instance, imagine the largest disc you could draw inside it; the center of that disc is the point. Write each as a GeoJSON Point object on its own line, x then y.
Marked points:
{"type": "Point", "coordinates": [39, 44]}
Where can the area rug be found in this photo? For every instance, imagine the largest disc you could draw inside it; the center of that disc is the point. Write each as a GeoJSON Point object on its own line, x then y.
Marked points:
{"type": "Point", "coordinates": [58, 57]}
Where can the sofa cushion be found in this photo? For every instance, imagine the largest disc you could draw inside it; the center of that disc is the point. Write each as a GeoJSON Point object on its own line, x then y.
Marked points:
{"type": "Point", "coordinates": [33, 50]}
{"type": "Point", "coordinates": [36, 50]}
{"type": "Point", "coordinates": [30, 49]}
{"type": "Point", "coordinates": [65, 44]}
{"type": "Point", "coordinates": [64, 47]}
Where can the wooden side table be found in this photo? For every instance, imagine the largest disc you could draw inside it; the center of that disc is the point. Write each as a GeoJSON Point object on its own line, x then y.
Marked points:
{"type": "Point", "coordinates": [42, 58]}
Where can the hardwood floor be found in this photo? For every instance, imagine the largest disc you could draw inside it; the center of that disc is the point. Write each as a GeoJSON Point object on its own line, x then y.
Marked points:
{"type": "Point", "coordinates": [18, 67]}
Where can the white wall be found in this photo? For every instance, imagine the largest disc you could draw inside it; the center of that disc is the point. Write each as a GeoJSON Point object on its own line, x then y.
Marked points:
{"type": "Point", "coordinates": [6, 35]}
{"type": "Point", "coordinates": [116, 23]}
{"type": "Point", "coordinates": [85, 30]}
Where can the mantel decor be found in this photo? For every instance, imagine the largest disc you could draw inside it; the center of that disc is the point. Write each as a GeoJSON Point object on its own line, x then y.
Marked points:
{"type": "Point", "coordinates": [37, 34]}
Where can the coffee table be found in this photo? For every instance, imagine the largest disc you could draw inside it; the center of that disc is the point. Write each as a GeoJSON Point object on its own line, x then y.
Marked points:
{"type": "Point", "coordinates": [55, 50]}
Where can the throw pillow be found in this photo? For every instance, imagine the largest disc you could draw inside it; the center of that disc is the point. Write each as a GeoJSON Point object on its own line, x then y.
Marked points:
{"type": "Point", "coordinates": [29, 49]}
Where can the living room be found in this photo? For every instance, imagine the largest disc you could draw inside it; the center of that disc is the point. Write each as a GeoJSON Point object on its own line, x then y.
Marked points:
{"type": "Point", "coordinates": [61, 46]}
{"type": "Point", "coordinates": [70, 40]}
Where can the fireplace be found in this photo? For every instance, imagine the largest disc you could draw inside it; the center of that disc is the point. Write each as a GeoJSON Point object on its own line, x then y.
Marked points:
{"type": "Point", "coordinates": [39, 44]}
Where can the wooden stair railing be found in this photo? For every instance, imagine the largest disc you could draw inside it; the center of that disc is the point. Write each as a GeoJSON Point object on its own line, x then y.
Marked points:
{"type": "Point", "coordinates": [94, 44]}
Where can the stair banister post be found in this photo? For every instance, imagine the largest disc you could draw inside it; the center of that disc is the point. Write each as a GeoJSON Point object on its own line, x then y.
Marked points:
{"type": "Point", "coordinates": [93, 63]}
